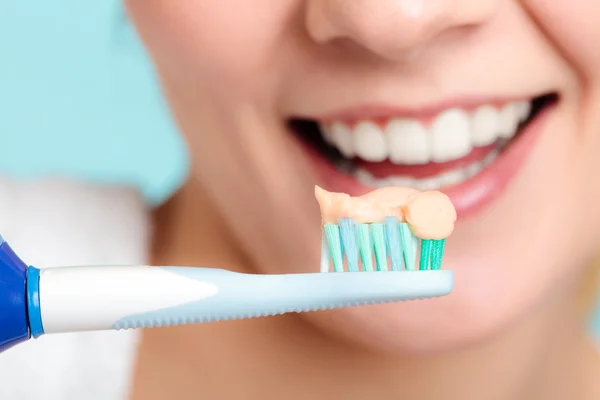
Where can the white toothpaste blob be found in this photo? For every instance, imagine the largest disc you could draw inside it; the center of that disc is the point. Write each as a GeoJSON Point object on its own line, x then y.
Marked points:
{"type": "Point", "coordinates": [430, 215]}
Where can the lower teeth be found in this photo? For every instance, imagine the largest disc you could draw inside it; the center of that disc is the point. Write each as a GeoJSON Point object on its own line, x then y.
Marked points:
{"type": "Point", "coordinates": [445, 179]}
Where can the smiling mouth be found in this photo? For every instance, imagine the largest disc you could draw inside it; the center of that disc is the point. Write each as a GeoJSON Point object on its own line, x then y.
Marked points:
{"type": "Point", "coordinates": [453, 147]}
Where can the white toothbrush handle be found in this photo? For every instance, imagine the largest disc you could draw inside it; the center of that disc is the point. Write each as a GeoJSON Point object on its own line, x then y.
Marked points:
{"type": "Point", "coordinates": [76, 299]}
{"type": "Point", "coordinates": [102, 298]}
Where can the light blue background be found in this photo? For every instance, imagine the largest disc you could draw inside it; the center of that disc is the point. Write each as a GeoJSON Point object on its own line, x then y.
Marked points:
{"type": "Point", "coordinates": [596, 323]}
{"type": "Point", "coordinates": [78, 98]}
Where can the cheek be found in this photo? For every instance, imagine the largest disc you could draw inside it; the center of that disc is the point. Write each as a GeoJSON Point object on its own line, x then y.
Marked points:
{"type": "Point", "coordinates": [573, 26]}
{"type": "Point", "coordinates": [209, 42]}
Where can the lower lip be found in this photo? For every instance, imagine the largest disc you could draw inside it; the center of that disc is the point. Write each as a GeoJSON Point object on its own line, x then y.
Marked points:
{"type": "Point", "coordinates": [468, 197]}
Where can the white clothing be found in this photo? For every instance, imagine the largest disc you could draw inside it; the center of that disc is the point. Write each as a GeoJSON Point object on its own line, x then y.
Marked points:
{"type": "Point", "coordinates": [54, 223]}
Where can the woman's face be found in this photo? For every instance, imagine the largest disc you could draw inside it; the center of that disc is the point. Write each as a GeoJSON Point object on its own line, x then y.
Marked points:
{"type": "Point", "coordinates": [494, 102]}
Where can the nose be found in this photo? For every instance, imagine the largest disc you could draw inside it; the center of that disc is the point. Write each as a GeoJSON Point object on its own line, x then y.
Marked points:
{"type": "Point", "coordinates": [393, 29]}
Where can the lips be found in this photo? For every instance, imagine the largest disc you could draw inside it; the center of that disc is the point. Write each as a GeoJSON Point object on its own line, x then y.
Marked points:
{"type": "Point", "coordinates": [471, 181]}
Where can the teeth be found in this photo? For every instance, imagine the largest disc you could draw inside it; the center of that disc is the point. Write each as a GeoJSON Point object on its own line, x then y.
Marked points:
{"type": "Point", "coordinates": [509, 120]}
{"type": "Point", "coordinates": [452, 135]}
{"type": "Point", "coordinates": [341, 136]}
{"type": "Point", "coordinates": [408, 141]}
{"type": "Point", "coordinates": [326, 132]}
{"type": "Point", "coordinates": [445, 179]}
{"type": "Point", "coordinates": [523, 110]}
{"type": "Point", "coordinates": [490, 158]}
{"type": "Point", "coordinates": [485, 126]}
{"type": "Point", "coordinates": [451, 178]}
{"type": "Point", "coordinates": [369, 142]}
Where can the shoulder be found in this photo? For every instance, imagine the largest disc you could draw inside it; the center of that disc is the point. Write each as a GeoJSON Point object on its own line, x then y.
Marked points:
{"type": "Point", "coordinates": [58, 222]}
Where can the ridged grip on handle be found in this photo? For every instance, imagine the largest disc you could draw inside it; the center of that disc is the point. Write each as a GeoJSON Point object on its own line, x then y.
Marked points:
{"type": "Point", "coordinates": [76, 299]}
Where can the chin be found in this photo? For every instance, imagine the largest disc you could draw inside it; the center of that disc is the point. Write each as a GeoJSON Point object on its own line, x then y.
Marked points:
{"type": "Point", "coordinates": [506, 254]}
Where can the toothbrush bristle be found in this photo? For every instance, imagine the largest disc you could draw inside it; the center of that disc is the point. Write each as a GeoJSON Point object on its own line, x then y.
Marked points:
{"type": "Point", "coordinates": [437, 254]}
{"type": "Point", "coordinates": [365, 247]}
{"type": "Point", "coordinates": [409, 246]}
{"type": "Point", "coordinates": [425, 256]}
{"type": "Point", "coordinates": [372, 247]}
{"type": "Point", "coordinates": [332, 232]}
{"type": "Point", "coordinates": [393, 243]}
{"type": "Point", "coordinates": [348, 234]}
{"type": "Point", "coordinates": [380, 247]}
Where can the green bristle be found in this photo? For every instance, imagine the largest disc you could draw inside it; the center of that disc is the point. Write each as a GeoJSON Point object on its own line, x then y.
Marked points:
{"type": "Point", "coordinates": [437, 253]}
{"type": "Point", "coordinates": [332, 232]}
{"type": "Point", "coordinates": [408, 247]}
{"type": "Point", "coordinates": [425, 257]}
{"type": "Point", "coordinates": [365, 247]}
{"type": "Point", "coordinates": [380, 246]}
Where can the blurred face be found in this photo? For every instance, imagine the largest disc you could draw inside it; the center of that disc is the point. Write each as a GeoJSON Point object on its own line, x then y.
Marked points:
{"type": "Point", "coordinates": [494, 102]}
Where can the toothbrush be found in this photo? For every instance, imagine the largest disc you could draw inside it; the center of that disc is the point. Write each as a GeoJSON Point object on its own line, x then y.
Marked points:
{"type": "Point", "coordinates": [34, 302]}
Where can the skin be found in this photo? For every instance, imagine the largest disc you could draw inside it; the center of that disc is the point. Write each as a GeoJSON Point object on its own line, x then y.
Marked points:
{"type": "Point", "coordinates": [234, 71]}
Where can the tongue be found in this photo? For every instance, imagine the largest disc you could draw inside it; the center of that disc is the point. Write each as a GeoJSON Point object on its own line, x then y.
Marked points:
{"type": "Point", "coordinates": [386, 168]}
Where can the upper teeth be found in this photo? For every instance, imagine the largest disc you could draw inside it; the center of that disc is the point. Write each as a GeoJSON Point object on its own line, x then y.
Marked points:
{"type": "Point", "coordinates": [452, 134]}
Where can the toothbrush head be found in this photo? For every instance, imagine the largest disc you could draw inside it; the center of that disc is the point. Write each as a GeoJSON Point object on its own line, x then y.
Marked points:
{"type": "Point", "coordinates": [388, 229]}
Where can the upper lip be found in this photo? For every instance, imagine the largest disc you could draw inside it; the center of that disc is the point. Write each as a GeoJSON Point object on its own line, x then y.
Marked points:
{"type": "Point", "coordinates": [376, 111]}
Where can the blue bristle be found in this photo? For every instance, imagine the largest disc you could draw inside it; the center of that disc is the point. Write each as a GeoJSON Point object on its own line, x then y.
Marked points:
{"type": "Point", "coordinates": [348, 233]}
{"type": "Point", "coordinates": [393, 242]}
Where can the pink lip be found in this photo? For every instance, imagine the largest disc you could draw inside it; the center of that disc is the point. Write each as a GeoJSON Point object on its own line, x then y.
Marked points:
{"type": "Point", "coordinates": [469, 196]}
{"type": "Point", "coordinates": [379, 112]}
